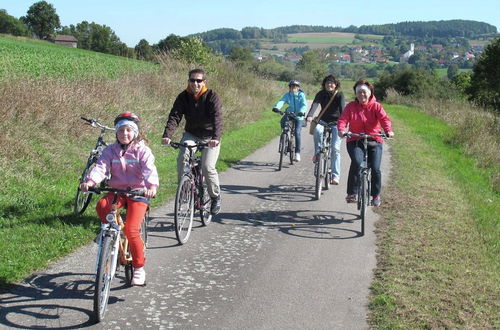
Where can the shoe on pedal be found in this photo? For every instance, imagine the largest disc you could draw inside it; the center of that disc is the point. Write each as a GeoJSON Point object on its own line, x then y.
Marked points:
{"type": "Point", "coordinates": [376, 201]}
{"type": "Point", "coordinates": [215, 206]}
{"type": "Point", "coordinates": [334, 181]}
{"type": "Point", "coordinates": [139, 278]}
{"type": "Point", "coordinates": [297, 157]}
{"type": "Point", "coordinates": [351, 199]}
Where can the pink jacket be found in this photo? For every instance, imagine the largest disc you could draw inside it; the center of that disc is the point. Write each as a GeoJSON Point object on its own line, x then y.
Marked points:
{"type": "Point", "coordinates": [369, 118]}
{"type": "Point", "coordinates": [133, 167]}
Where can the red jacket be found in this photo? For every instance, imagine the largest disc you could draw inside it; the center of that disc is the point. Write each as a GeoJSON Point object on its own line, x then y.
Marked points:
{"type": "Point", "coordinates": [367, 118]}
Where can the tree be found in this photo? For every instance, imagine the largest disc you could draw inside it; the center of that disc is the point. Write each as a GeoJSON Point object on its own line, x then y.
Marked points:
{"type": "Point", "coordinates": [452, 71]}
{"type": "Point", "coordinates": [241, 56]}
{"type": "Point", "coordinates": [485, 81]}
{"type": "Point", "coordinates": [11, 25]}
{"type": "Point", "coordinates": [169, 43]}
{"type": "Point", "coordinates": [144, 51]}
{"type": "Point", "coordinates": [42, 19]}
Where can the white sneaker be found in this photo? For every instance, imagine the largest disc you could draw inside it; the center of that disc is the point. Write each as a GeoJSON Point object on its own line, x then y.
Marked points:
{"type": "Point", "coordinates": [297, 157]}
{"type": "Point", "coordinates": [139, 278]}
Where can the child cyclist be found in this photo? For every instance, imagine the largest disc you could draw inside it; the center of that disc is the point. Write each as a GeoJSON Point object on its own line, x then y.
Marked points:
{"type": "Point", "coordinates": [297, 105]}
{"type": "Point", "coordinates": [127, 163]}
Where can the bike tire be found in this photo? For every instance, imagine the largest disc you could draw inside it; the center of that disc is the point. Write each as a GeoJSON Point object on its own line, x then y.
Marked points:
{"type": "Point", "coordinates": [82, 199]}
{"type": "Point", "coordinates": [327, 170]}
{"type": "Point", "coordinates": [291, 147]}
{"type": "Point", "coordinates": [144, 229]}
{"type": "Point", "coordinates": [319, 176]}
{"type": "Point", "coordinates": [205, 203]}
{"type": "Point", "coordinates": [103, 278]}
{"type": "Point", "coordinates": [184, 209]}
{"type": "Point", "coordinates": [282, 147]}
{"type": "Point", "coordinates": [363, 196]}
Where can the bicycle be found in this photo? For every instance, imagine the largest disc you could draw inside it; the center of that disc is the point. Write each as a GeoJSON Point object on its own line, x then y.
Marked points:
{"type": "Point", "coordinates": [364, 182]}
{"type": "Point", "coordinates": [192, 194]}
{"type": "Point", "coordinates": [82, 199]}
{"type": "Point", "coordinates": [322, 167]}
{"type": "Point", "coordinates": [113, 251]}
{"type": "Point", "coordinates": [287, 138]}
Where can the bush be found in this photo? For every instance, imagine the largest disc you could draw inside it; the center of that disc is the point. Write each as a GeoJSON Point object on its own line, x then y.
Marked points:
{"type": "Point", "coordinates": [418, 83]}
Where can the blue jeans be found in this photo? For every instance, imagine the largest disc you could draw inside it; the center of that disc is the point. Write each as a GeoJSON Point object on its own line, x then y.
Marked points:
{"type": "Point", "coordinates": [356, 150]}
{"type": "Point", "coordinates": [334, 145]}
{"type": "Point", "coordinates": [298, 131]}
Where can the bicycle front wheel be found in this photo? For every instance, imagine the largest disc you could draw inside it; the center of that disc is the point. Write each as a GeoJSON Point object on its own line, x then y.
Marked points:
{"type": "Point", "coordinates": [282, 148]}
{"type": "Point", "coordinates": [319, 176]}
{"type": "Point", "coordinates": [291, 147]}
{"type": "Point", "coordinates": [103, 278]}
{"type": "Point", "coordinates": [184, 209]}
{"type": "Point", "coordinates": [82, 199]}
{"type": "Point", "coordinates": [205, 204]}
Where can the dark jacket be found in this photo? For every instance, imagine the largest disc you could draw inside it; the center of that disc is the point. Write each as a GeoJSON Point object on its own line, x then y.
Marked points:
{"type": "Point", "coordinates": [332, 114]}
{"type": "Point", "coordinates": [203, 117]}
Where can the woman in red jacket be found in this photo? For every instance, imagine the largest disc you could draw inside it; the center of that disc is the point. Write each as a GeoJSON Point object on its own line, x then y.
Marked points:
{"type": "Point", "coordinates": [364, 115]}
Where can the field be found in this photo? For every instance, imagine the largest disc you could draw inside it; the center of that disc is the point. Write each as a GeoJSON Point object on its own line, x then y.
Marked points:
{"type": "Point", "coordinates": [33, 58]}
{"type": "Point", "coordinates": [322, 40]}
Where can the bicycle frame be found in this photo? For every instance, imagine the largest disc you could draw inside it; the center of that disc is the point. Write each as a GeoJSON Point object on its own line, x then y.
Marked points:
{"type": "Point", "coordinates": [191, 194]}
{"type": "Point", "coordinates": [364, 178]}
{"type": "Point", "coordinates": [287, 137]}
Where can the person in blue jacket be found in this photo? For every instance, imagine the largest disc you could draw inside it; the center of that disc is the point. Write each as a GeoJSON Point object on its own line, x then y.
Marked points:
{"type": "Point", "coordinates": [297, 105]}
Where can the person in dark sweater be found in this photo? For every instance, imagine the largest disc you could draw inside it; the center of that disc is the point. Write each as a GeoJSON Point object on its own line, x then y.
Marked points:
{"type": "Point", "coordinates": [332, 98]}
{"type": "Point", "coordinates": [202, 110]}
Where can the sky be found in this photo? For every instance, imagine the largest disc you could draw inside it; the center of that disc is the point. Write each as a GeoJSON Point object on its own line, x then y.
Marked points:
{"type": "Point", "coordinates": [153, 20]}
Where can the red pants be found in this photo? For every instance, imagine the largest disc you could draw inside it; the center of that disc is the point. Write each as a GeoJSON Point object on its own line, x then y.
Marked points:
{"type": "Point", "coordinates": [135, 214]}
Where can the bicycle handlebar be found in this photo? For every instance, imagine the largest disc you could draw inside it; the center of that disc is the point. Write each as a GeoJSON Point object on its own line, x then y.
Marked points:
{"type": "Point", "coordinates": [366, 136]}
{"type": "Point", "coordinates": [291, 114]}
{"type": "Point", "coordinates": [177, 145]}
{"type": "Point", "coordinates": [136, 192]}
{"type": "Point", "coordinates": [94, 123]}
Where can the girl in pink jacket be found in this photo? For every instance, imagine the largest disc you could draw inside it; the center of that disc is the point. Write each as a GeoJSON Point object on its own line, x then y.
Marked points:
{"type": "Point", "coordinates": [364, 115]}
{"type": "Point", "coordinates": [127, 163]}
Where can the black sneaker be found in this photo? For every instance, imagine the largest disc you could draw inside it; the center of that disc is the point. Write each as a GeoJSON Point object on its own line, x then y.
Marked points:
{"type": "Point", "coordinates": [215, 207]}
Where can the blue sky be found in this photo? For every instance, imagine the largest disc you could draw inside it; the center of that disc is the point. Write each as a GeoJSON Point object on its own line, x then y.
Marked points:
{"type": "Point", "coordinates": [153, 20]}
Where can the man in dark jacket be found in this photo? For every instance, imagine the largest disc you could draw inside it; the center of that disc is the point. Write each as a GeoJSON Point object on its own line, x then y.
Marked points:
{"type": "Point", "coordinates": [202, 109]}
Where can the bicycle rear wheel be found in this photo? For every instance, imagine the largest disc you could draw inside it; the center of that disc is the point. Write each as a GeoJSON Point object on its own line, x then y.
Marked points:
{"type": "Point", "coordinates": [326, 169]}
{"type": "Point", "coordinates": [205, 203]}
{"type": "Point", "coordinates": [103, 278]}
{"type": "Point", "coordinates": [319, 176]}
{"type": "Point", "coordinates": [282, 147]}
{"type": "Point", "coordinates": [144, 229]}
{"type": "Point", "coordinates": [184, 209]}
{"type": "Point", "coordinates": [364, 197]}
{"type": "Point", "coordinates": [291, 146]}
{"type": "Point", "coordinates": [82, 199]}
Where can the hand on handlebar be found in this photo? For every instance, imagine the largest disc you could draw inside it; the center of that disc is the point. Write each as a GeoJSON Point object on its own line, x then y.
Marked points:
{"type": "Point", "coordinates": [213, 143]}
{"type": "Point", "coordinates": [276, 110]}
{"type": "Point", "coordinates": [85, 186]}
{"type": "Point", "coordinates": [166, 141]}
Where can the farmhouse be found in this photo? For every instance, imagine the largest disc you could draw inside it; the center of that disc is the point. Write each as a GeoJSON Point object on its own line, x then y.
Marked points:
{"type": "Point", "coordinates": [66, 40]}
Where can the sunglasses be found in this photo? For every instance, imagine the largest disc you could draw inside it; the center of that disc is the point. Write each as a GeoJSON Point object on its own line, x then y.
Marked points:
{"type": "Point", "coordinates": [199, 81]}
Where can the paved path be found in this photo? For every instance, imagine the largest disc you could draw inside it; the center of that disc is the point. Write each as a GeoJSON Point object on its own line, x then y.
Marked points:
{"type": "Point", "coordinates": [274, 258]}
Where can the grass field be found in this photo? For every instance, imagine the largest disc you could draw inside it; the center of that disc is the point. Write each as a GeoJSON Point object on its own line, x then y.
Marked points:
{"type": "Point", "coordinates": [35, 58]}
{"type": "Point", "coordinates": [438, 237]}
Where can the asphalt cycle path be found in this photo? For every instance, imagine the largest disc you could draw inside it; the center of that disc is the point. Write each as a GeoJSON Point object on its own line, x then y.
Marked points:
{"type": "Point", "coordinates": [274, 258]}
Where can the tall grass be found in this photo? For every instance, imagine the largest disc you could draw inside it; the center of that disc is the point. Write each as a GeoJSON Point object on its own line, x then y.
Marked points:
{"type": "Point", "coordinates": [44, 145]}
{"type": "Point", "coordinates": [474, 128]}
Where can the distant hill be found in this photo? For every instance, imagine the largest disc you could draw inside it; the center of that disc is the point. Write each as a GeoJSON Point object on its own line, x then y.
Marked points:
{"type": "Point", "coordinates": [224, 39]}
